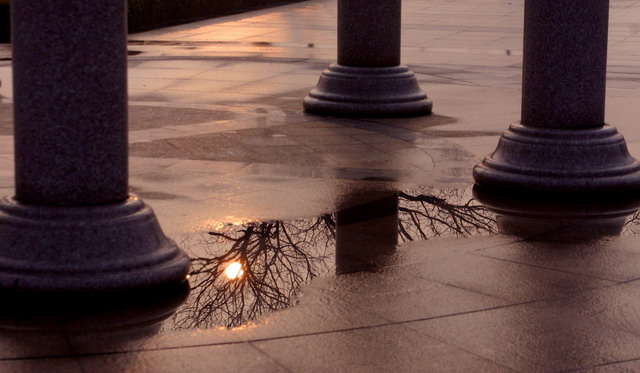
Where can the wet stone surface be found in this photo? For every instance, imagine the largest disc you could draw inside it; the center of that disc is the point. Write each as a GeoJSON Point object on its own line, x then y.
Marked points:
{"type": "Point", "coordinates": [142, 117]}
{"type": "Point", "coordinates": [6, 119]}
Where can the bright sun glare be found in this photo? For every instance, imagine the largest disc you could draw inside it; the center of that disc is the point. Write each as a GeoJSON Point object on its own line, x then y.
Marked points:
{"type": "Point", "coordinates": [234, 270]}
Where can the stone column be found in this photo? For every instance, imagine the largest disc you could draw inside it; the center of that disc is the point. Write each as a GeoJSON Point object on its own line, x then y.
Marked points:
{"type": "Point", "coordinates": [366, 231]}
{"type": "Point", "coordinates": [368, 78]}
{"type": "Point", "coordinates": [72, 226]}
{"type": "Point", "coordinates": [562, 143]}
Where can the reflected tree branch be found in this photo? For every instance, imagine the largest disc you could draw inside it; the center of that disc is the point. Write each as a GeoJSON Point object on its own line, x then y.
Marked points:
{"type": "Point", "coordinates": [276, 257]}
{"type": "Point", "coordinates": [447, 212]}
{"type": "Point", "coordinates": [632, 226]}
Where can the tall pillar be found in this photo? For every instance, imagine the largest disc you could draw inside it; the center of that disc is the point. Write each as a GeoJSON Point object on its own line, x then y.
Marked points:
{"type": "Point", "coordinates": [72, 225]}
{"type": "Point", "coordinates": [562, 143]}
{"type": "Point", "coordinates": [368, 78]}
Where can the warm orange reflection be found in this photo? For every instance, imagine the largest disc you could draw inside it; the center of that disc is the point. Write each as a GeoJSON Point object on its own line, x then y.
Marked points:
{"type": "Point", "coordinates": [219, 225]}
{"type": "Point", "coordinates": [234, 270]}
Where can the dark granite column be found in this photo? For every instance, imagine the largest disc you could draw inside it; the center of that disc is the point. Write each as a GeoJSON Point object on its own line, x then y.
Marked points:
{"type": "Point", "coordinates": [72, 224]}
{"type": "Point", "coordinates": [562, 143]}
{"type": "Point", "coordinates": [368, 78]}
{"type": "Point", "coordinates": [71, 102]}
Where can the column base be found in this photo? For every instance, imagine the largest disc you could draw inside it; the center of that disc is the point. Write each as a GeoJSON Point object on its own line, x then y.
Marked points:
{"type": "Point", "coordinates": [584, 161]}
{"type": "Point", "coordinates": [86, 249]}
{"type": "Point", "coordinates": [367, 91]}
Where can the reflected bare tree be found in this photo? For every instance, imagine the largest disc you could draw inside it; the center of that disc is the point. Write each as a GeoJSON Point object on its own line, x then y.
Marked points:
{"type": "Point", "coordinates": [277, 256]}
{"type": "Point", "coordinates": [632, 226]}
{"type": "Point", "coordinates": [430, 213]}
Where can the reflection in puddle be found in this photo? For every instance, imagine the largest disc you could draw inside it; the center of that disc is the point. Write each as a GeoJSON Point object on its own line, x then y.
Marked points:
{"type": "Point", "coordinates": [575, 219]}
{"type": "Point", "coordinates": [367, 231]}
{"type": "Point", "coordinates": [36, 326]}
{"type": "Point", "coordinates": [242, 271]}
{"type": "Point", "coordinates": [234, 271]}
{"type": "Point", "coordinates": [427, 213]}
{"type": "Point", "coordinates": [115, 317]}
{"type": "Point", "coordinates": [632, 225]}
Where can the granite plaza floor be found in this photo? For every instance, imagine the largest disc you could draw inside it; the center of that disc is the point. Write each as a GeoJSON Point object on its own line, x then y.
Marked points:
{"type": "Point", "coordinates": [221, 149]}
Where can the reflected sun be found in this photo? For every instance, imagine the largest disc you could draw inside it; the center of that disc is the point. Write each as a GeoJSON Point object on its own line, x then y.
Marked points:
{"type": "Point", "coordinates": [234, 271]}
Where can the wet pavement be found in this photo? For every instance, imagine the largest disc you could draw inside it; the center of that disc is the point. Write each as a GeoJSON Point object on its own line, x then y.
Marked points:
{"type": "Point", "coordinates": [432, 275]}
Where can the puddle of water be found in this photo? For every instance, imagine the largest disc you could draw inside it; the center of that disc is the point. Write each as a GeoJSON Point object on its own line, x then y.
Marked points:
{"type": "Point", "coordinates": [245, 269]}
{"type": "Point", "coordinates": [241, 271]}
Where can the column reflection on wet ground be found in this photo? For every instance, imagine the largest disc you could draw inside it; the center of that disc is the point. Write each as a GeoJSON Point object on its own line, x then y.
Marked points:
{"type": "Point", "coordinates": [573, 220]}
{"type": "Point", "coordinates": [367, 231]}
{"type": "Point", "coordinates": [242, 271]}
{"type": "Point", "coordinates": [54, 325]}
